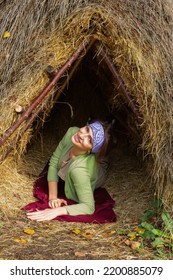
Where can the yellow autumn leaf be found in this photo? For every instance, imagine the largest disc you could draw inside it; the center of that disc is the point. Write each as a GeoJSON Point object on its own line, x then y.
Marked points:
{"type": "Point", "coordinates": [23, 241]}
{"type": "Point", "coordinates": [89, 233]}
{"type": "Point", "coordinates": [140, 230]}
{"type": "Point", "coordinates": [109, 233]}
{"type": "Point", "coordinates": [17, 240]}
{"type": "Point", "coordinates": [20, 240]}
{"type": "Point", "coordinates": [87, 236]}
{"type": "Point", "coordinates": [132, 235]}
{"type": "Point", "coordinates": [76, 231]}
{"type": "Point", "coordinates": [29, 231]}
{"type": "Point", "coordinates": [7, 34]}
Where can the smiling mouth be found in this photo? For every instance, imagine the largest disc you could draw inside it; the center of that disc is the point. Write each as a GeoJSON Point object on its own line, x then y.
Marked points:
{"type": "Point", "coordinates": [76, 137]}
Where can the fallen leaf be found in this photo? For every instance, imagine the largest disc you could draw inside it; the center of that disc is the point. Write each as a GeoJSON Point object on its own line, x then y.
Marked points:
{"type": "Point", "coordinates": [7, 34]}
{"type": "Point", "coordinates": [20, 240]}
{"type": "Point", "coordinates": [89, 233]}
{"type": "Point", "coordinates": [135, 245]}
{"type": "Point", "coordinates": [109, 233]}
{"type": "Point", "coordinates": [76, 231]}
{"type": "Point", "coordinates": [127, 242]}
{"type": "Point", "coordinates": [132, 235]}
{"type": "Point", "coordinates": [17, 240]}
{"type": "Point", "coordinates": [29, 231]}
{"type": "Point", "coordinates": [87, 236]}
{"type": "Point", "coordinates": [140, 230]}
{"type": "Point", "coordinates": [79, 254]}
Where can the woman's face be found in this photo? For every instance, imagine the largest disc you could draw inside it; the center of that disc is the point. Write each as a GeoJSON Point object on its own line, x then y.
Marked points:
{"type": "Point", "coordinates": [83, 139]}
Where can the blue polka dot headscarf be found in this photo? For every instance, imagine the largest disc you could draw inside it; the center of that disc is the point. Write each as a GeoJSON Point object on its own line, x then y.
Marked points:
{"type": "Point", "coordinates": [98, 136]}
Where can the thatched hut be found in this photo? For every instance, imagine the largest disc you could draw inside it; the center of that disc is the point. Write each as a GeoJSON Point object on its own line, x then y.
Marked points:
{"type": "Point", "coordinates": [109, 58]}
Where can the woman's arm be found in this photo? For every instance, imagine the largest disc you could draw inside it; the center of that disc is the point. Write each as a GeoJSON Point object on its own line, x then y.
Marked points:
{"type": "Point", "coordinates": [52, 175]}
{"type": "Point", "coordinates": [53, 190]}
{"type": "Point", "coordinates": [47, 214]}
{"type": "Point", "coordinates": [53, 194]}
{"type": "Point", "coordinates": [55, 159]}
{"type": "Point", "coordinates": [86, 205]}
{"type": "Point", "coordinates": [54, 201]}
{"type": "Point", "coordinates": [82, 185]}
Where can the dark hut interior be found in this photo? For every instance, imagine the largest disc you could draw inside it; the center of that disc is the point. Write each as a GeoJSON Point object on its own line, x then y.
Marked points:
{"type": "Point", "coordinates": [87, 95]}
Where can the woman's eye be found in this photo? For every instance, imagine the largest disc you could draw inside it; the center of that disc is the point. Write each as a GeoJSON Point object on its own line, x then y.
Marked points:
{"type": "Point", "coordinates": [90, 140]}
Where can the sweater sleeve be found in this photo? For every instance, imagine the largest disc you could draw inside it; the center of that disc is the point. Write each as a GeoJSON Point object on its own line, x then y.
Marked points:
{"type": "Point", "coordinates": [81, 182]}
{"type": "Point", "coordinates": [52, 175]}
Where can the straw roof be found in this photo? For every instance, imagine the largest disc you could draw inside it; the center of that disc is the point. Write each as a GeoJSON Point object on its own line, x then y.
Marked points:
{"type": "Point", "coordinates": [137, 35]}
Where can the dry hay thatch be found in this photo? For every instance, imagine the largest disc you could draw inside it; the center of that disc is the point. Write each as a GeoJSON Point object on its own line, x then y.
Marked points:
{"type": "Point", "coordinates": [137, 36]}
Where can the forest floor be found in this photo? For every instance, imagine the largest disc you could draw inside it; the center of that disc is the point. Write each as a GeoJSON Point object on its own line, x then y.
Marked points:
{"type": "Point", "coordinates": [128, 185]}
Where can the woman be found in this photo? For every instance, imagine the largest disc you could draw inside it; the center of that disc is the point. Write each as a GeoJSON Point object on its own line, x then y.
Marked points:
{"type": "Point", "coordinates": [76, 161]}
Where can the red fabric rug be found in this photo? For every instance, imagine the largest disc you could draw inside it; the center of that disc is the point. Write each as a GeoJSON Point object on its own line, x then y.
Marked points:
{"type": "Point", "coordinates": [103, 203]}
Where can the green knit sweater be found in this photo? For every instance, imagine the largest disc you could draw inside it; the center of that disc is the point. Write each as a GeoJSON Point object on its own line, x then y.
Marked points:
{"type": "Point", "coordinates": [81, 177]}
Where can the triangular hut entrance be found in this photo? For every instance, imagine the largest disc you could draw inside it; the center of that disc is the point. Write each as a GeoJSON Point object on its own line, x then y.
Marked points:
{"type": "Point", "coordinates": [87, 91]}
{"type": "Point", "coordinates": [97, 81]}
{"type": "Point", "coordinates": [83, 87]}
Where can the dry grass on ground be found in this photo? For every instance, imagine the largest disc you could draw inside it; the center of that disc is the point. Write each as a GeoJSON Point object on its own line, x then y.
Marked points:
{"type": "Point", "coordinates": [127, 183]}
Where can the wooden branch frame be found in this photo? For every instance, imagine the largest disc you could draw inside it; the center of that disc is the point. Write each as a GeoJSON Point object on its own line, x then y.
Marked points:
{"type": "Point", "coordinates": [35, 114]}
{"type": "Point", "coordinates": [32, 112]}
{"type": "Point", "coordinates": [46, 90]}
{"type": "Point", "coordinates": [117, 78]}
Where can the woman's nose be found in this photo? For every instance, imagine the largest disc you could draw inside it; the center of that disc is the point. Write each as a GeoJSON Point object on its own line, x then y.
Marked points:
{"type": "Point", "coordinates": [84, 134]}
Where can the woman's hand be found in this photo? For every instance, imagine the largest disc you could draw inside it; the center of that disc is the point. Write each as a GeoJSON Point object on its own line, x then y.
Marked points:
{"type": "Point", "coordinates": [47, 214]}
{"type": "Point", "coordinates": [55, 203]}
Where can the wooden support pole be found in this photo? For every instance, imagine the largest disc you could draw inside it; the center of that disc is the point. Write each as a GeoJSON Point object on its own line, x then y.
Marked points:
{"type": "Point", "coordinates": [64, 85]}
{"type": "Point", "coordinates": [46, 90]}
{"type": "Point", "coordinates": [118, 80]}
{"type": "Point", "coordinates": [41, 108]}
{"type": "Point", "coordinates": [74, 69]}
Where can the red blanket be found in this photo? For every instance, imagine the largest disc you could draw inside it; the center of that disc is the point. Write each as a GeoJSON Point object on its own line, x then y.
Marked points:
{"type": "Point", "coordinates": [103, 203]}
